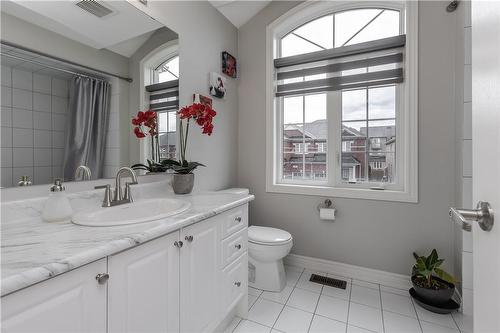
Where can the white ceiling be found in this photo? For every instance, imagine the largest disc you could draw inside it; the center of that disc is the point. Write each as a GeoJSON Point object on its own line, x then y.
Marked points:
{"type": "Point", "coordinates": [239, 12]}
{"type": "Point", "coordinates": [121, 31]}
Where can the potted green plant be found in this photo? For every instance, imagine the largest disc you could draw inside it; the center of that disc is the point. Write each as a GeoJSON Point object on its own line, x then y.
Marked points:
{"type": "Point", "coordinates": [202, 115]}
{"type": "Point", "coordinates": [431, 283]}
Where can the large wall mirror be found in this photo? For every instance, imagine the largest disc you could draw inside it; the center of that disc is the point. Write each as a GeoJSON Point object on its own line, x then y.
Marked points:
{"type": "Point", "coordinates": [74, 74]}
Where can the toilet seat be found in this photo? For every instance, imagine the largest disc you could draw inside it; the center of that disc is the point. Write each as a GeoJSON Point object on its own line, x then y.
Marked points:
{"type": "Point", "coordinates": [268, 236]}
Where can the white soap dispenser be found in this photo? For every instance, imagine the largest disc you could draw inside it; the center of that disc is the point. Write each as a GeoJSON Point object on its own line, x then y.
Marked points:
{"type": "Point", "coordinates": [57, 207]}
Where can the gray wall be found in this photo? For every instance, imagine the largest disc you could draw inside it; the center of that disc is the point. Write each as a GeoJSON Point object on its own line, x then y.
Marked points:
{"type": "Point", "coordinates": [203, 34]}
{"type": "Point", "coordinates": [375, 234]}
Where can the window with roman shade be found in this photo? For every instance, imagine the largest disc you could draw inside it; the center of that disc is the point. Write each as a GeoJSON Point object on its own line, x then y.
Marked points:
{"type": "Point", "coordinates": [339, 102]}
{"type": "Point", "coordinates": [163, 97]}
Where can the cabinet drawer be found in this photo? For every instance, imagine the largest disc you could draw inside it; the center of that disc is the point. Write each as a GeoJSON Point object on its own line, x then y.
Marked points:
{"type": "Point", "coordinates": [234, 246]}
{"type": "Point", "coordinates": [235, 282]}
{"type": "Point", "coordinates": [234, 220]}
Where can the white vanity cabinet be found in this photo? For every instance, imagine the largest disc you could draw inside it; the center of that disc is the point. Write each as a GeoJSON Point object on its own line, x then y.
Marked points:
{"type": "Point", "coordinates": [191, 280]}
{"type": "Point", "coordinates": [144, 288]}
{"type": "Point", "coordinates": [72, 302]}
{"type": "Point", "coordinates": [200, 286]}
{"type": "Point", "coordinates": [214, 270]}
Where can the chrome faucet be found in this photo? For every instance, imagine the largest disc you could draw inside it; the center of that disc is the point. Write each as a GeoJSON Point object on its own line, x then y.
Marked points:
{"type": "Point", "coordinates": [85, 171]}
{"type": "Point", "coordinates": [118, 196]}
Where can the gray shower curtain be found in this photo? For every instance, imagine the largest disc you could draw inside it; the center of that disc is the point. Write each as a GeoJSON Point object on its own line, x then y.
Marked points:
{"type": "Point", "coordinates": [87, 126]}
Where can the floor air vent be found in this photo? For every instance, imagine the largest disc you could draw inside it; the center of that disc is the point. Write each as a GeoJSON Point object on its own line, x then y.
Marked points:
{"type": "Point", "coordinates": [331, 282]}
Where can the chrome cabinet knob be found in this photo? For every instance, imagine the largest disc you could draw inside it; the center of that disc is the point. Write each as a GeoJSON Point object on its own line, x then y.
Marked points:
{"type": "Point", "coordinates": [237, 284]}
{"type": "Point", "coordinates": [188, 238]}
{"type": "Point", "coordinates": [238, 219]}
{"type": "Point", "coordinates": [178, 244]}
{"type": "Point", "coordinates": [102, 278]}
{"type": "Point", "coordinates": [238, 246]}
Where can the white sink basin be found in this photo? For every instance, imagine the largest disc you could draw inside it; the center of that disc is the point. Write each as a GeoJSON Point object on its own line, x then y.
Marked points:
{"type": "Point", "coordinates": [136, 212]}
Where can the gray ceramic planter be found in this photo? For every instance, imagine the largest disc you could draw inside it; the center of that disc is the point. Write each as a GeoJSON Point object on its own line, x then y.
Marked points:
{"type": "Point", "coordinates": [183, 183]}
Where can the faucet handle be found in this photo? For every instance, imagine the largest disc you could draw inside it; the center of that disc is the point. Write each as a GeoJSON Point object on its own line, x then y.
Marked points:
{"type": "Point", "coordinates": [128, 194]}
{"type": "Point", "coordinates": [106, 202]}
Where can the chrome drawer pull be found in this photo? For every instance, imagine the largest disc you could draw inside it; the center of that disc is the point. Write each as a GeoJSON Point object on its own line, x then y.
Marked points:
{"type": "Point", "coordinates": [237, 284]}
{"type": "Point", "coordinates": [238, 219]}
{"type": "Point", "coordinates": [238, 246]}
{"type": "Point", "coordinates": [189, 238]}
{"type": "Point", "coordinates": [178, 244]}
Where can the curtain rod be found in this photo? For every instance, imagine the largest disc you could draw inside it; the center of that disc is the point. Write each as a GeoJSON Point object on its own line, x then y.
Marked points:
{"type": "Point", "coordinates": [60, 60]}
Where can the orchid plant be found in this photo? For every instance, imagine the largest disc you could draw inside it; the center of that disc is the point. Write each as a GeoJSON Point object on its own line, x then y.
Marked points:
{"type": "Point", "coordinates": [146, 123]}
{"type": "Point", "coordinates": [202, 115]}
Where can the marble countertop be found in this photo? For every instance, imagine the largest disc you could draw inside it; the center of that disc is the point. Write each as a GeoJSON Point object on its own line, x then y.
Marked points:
{"type": "Point", "coordinates": [33, 250]}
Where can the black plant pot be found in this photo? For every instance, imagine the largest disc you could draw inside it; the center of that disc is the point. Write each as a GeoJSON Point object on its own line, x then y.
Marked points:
{"type": "Point", "coordinates": [434, 297]}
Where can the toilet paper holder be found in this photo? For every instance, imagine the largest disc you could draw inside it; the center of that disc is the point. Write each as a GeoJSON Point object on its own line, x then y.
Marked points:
{"type": "Point", "coordinates": [325, 204]}
{"type": "Point", "coordinates": [326, 210]}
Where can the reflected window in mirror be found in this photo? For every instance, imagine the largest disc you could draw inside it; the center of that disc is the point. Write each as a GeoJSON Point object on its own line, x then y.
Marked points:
{"type": "Point", "coordinates": [161, 74]}
{"type": "Point", "coordinates": [167, 70]}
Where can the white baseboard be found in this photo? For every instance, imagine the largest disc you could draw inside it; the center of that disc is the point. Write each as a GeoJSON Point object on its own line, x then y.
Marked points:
{"type": "Point", "coordinates": [351, 271]}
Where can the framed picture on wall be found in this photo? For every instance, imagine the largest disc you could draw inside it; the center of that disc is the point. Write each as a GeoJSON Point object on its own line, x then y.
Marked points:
{"type": "Point", "coordinates": [229, 65]}
{"type": "Point", "coordinates": [217, 85]}
{"type": "Point", "coordinates": [205, 100]}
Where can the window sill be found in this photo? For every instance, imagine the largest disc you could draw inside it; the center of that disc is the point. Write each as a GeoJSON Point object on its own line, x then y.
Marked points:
{"type": "Point", "coordinates": [352, 193]}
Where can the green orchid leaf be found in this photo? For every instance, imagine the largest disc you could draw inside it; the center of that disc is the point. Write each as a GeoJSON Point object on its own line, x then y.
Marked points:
{"type": "Point", "coordinates": [186, 167]}
{"type": "Point", "coordinates": [139, 167]}
{"type": "Point", "coordinates": [170, 162]}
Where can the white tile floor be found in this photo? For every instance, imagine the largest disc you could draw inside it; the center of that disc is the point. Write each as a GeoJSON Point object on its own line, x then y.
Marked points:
{"type": "Point", "coordinates": [363, 307]}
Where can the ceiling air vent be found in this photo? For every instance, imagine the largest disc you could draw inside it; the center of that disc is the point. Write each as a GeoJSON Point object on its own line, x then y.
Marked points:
{"type": "Point", "coordinates": [94, 7]}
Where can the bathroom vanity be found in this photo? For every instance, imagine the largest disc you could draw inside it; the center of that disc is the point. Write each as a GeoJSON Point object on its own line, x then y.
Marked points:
{"type": "Point", "coordinates": [184, 273]}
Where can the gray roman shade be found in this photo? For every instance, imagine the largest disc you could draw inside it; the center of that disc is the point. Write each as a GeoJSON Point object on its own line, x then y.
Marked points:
{"type": "Point", "coordinates": [164, 96]}
{"type": "Point", "coordinates": [372, 63]}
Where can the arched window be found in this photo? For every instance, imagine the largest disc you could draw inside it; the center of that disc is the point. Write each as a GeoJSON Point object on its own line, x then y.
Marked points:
{"type": "Point", "coordinates": [161, 94]}
{"type": "Point", "coordinates": [168, 70]}
{"type": "Point", "coordinates": [341, 77]}
{"type": "Point", "coordinates": [342, 28]}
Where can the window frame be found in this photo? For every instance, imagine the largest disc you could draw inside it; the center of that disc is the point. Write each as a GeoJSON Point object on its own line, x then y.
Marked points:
{"type": "Point", "coordinates": [155, 75]}
{"type": "Point", "coordinates": [406, 189]}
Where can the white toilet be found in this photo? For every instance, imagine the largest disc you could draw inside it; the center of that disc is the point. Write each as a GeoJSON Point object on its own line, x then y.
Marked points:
{"type": "Point", "coordinates": [266, 248]}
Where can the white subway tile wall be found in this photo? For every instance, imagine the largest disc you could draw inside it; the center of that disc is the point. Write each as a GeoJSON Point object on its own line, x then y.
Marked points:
{"type": "Point", "coordinates": [112, 160]}
{"type": "Point", "coordinates": [33, 120]}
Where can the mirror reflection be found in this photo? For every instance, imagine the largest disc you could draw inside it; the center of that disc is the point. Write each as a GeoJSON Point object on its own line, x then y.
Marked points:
{"type": "Point", "coordinates": [67, 105]}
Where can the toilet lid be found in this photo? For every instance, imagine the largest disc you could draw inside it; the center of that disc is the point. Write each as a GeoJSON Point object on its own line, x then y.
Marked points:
{"type": "Point", "coordinates": [266, 235]}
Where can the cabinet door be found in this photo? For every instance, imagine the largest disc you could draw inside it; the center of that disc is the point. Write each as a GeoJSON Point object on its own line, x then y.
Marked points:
{"type": "Point", "coordinates": [200, 277]}
{"type": "Point", "coordinates": [71, 302]}
{"type": "Point", "coordinates": [144, 288]}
